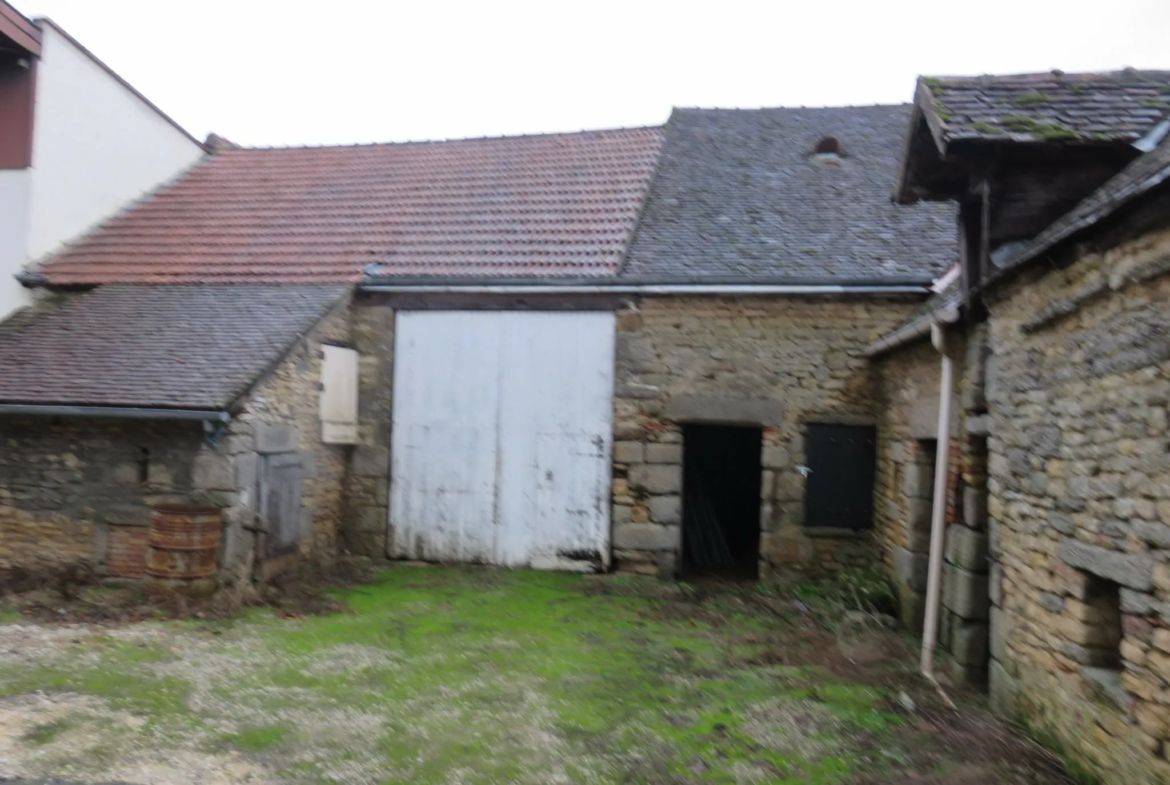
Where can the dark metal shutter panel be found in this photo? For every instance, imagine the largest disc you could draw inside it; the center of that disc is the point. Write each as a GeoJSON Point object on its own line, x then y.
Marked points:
{"type": "Point", "coordinates": [842, 461]}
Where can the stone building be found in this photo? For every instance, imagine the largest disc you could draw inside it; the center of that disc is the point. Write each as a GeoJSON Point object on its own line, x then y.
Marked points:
{"type": "Point", "coordinates": [1056, 564]}
{"type": "Point", "coordinates": [641, 349]}
{"type": "Point", "coordinates": [129, 396]}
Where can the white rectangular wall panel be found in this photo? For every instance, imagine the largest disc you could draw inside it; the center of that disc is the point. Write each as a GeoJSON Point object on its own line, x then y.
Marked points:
{"type": "Point", "coordinates": [339, 395]}
{"type": "Point", "coordinates": [502, 436]}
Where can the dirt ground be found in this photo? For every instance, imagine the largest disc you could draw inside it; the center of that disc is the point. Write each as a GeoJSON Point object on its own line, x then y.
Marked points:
{"type": "Point", "coordinates": [461, 676]}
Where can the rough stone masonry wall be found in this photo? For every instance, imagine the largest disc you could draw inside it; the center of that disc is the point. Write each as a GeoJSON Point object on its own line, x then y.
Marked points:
{"type": "Point", "coordinates": [68, 484]}
{"type": "Point", "coordinates": [78, 490]}
{"type": "Point", "coordinates": [368, 484]}
{"type": "Point", "coordinates": [1078, 388]}
{"type": "Point", "coordinates": [781, 363]}
{"type": "Point", "coordinates": [907, 448]}
{"type": "Point", "coordinates": [281, 416]}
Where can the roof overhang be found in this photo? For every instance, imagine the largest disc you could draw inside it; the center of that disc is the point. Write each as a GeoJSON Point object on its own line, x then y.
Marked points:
{"type": "Point", "coordinates": [122, 412]}
{"type": "Point", "coordinates": [17, 32]}
{"type": "Point", "coordinates": [617, 285]}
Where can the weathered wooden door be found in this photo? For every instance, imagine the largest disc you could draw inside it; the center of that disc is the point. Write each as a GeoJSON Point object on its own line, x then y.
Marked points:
{"type": "Point", "coordinates": [501, 437]}
{"type": "Point", "coordinates": [841, 461]}
{"type": "Point", "coordinates": [280, 502]}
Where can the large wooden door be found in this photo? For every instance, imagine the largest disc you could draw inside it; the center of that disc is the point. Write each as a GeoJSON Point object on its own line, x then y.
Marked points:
{"type": "Point", "coordinates": [502, 437]}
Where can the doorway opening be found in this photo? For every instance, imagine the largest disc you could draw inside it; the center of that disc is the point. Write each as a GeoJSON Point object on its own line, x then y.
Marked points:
{"type": "Point", "coordinates": [721, 500]}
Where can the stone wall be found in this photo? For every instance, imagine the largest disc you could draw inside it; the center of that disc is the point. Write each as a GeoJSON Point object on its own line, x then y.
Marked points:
{"type": "Point", "coordinates": [1079, 498]}
{"type": "Point", "coordinates": [65, 481]}
{"type": "Point", "coordinates": [281, 416]}
{"type": "Point", "coordinates": [907, 449]}
{"type": "Point", "coordinates": [780, 363]}
{"type": "Point", "coordinates": [78, 490]}
{"type": "Point", "coordinates": [367, 490]}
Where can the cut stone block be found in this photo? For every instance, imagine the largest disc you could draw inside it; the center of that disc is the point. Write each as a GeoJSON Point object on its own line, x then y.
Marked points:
{"type": "Point", "coordinates": [967, 548]}
{"type": "Point", "coordinates": [628, 452]}
{"type": "Point", "coordinates": [910, 569]}
{"type": "Point", "coordinates": [666, 510]}
{"type": "Point", "coordinates": [966, 593]}
{"type": "Point", "coordinates": [276, 438]}
{"type": "Point", "coordinates": [1134, 570]}
{"type": "Point", "coordinates": [645, 537]}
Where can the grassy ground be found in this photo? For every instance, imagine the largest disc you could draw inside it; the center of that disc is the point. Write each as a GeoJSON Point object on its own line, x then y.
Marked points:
{"type": "Point", "coordinates": [486, 676]}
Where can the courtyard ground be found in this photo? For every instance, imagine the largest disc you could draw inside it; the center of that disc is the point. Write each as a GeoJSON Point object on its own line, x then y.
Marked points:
{"type": "Point", "coordinates": [461, 676]}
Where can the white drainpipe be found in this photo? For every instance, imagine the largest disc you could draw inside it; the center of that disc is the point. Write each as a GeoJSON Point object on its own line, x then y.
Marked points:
{"type": "Point", "coordinates": [939, 509]}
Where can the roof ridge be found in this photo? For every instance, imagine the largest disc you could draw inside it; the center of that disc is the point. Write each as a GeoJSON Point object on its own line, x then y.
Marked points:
{"type": "Point", "coordinates": [419, 142]}
{"type": "Point", "coordinates": [894, 105]}
{"type": "Point", "coordinates": [1055, 73]}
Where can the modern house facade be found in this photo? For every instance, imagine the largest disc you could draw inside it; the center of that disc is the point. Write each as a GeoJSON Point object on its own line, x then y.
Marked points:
{"type": "Point", "coordinates": [77, 144]}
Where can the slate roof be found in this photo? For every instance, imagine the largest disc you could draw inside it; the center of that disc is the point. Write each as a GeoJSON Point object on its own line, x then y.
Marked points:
{"type": "Point", "coordinates": [1054, 106]}
{"type": "Point", "coordinates": [1142, 175]}
{"type": "Point", "coordinates": [740, 195]}
{"type": "Point", "coordinates": [548, 205]}
{"type": "Point", "coordinates": [186, 347]}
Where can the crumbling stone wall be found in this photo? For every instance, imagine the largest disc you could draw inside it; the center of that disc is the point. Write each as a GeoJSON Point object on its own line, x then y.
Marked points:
{"type": "Point", "coordinates": [780, 363]}
{"type": "Point", "coordinates": [72, 489]}
{"type": "Point", "coordinates": [1079, 497]}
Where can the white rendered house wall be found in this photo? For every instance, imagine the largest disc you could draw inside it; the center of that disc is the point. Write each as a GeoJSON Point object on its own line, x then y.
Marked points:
{"type": "Point", "coordinates": [97, 146]}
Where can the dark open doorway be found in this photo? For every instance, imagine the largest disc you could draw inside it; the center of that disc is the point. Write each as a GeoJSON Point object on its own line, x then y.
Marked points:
{"type": "Point", "coordinates": [721, 500]}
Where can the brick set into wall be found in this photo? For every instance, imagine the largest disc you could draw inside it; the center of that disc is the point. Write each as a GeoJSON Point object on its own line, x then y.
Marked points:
{"type": "Point", "coordinates": [778, 362]}
{"type": "Point", "coordinates": [78, 490]}
{"type": "Point", "coordinates": [1078, 388]}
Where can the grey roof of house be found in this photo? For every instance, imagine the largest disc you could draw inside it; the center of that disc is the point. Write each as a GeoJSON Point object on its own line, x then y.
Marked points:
{"type": "Point", "coordinates": [1142, 175]}
{"type": "Point", "coordinates": [739, 194]}
{"type": "Point", "coordinates": [175, 346]}
{"type": "Point", "coordinates": [1052, 106]}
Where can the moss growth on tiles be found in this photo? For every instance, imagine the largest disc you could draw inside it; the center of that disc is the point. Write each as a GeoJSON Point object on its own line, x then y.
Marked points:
{"type": "Point", "coordinates": [1033, 98]}
{"type": "Point", "coordinates": [987, 128]}
{"type": "Point", "coordinates": [1046, 131]}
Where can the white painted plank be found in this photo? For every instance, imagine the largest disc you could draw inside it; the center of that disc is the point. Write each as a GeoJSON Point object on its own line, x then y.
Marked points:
{"type": "Point", "coordinates": [556, 426]}
{"type": "Point", "coordinates": [443, 438]}
{"type": "Point", "coordinates": [502, 439]}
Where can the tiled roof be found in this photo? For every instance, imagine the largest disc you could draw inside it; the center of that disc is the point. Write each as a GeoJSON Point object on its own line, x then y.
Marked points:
{"type": "Point", "coordinates": [196, 347]}
{"type": "Point", "coordinates": [1117, 106]}
{"type": "Point", "coordinates": [1141, 176]}
{"type": "Point", "coordinates": [548, 205]}
{"type": "Point", "coordinates": [740, 194]}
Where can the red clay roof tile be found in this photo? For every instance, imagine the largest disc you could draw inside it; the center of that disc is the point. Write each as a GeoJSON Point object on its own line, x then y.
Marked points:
{"type": "Point", "coordinates": [546, 205]}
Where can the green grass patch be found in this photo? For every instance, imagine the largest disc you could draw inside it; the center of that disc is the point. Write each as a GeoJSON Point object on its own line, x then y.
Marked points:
{"type": "Point", "coordinates": [488, 676]}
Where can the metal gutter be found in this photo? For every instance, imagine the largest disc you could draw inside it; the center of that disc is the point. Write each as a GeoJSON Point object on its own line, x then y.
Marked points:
{"type": "Point", "coordinates": [124, 412]}
{"type": "Point", "coordinates": [649, 289]}
{"type": "Point", "coordinates": [919, 328]}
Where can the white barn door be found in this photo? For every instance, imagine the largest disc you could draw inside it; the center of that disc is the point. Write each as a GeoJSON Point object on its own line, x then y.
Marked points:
{"type": "Point", "coordinates": [502, 437]}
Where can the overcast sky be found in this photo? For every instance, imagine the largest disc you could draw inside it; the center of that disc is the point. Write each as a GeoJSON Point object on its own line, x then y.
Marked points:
{"type": "Point", "coordinates": [282, 72]}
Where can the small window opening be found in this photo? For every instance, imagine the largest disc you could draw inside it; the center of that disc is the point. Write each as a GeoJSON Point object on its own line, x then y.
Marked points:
{"type": "Point", "coordinates": [1103, 598]}
{"type": "Point", "coordinates": [828, 146]}
{"type": "Point", "coordinates": [143, 465]}
{"type": "Point", "coordinates": [721, 501]}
